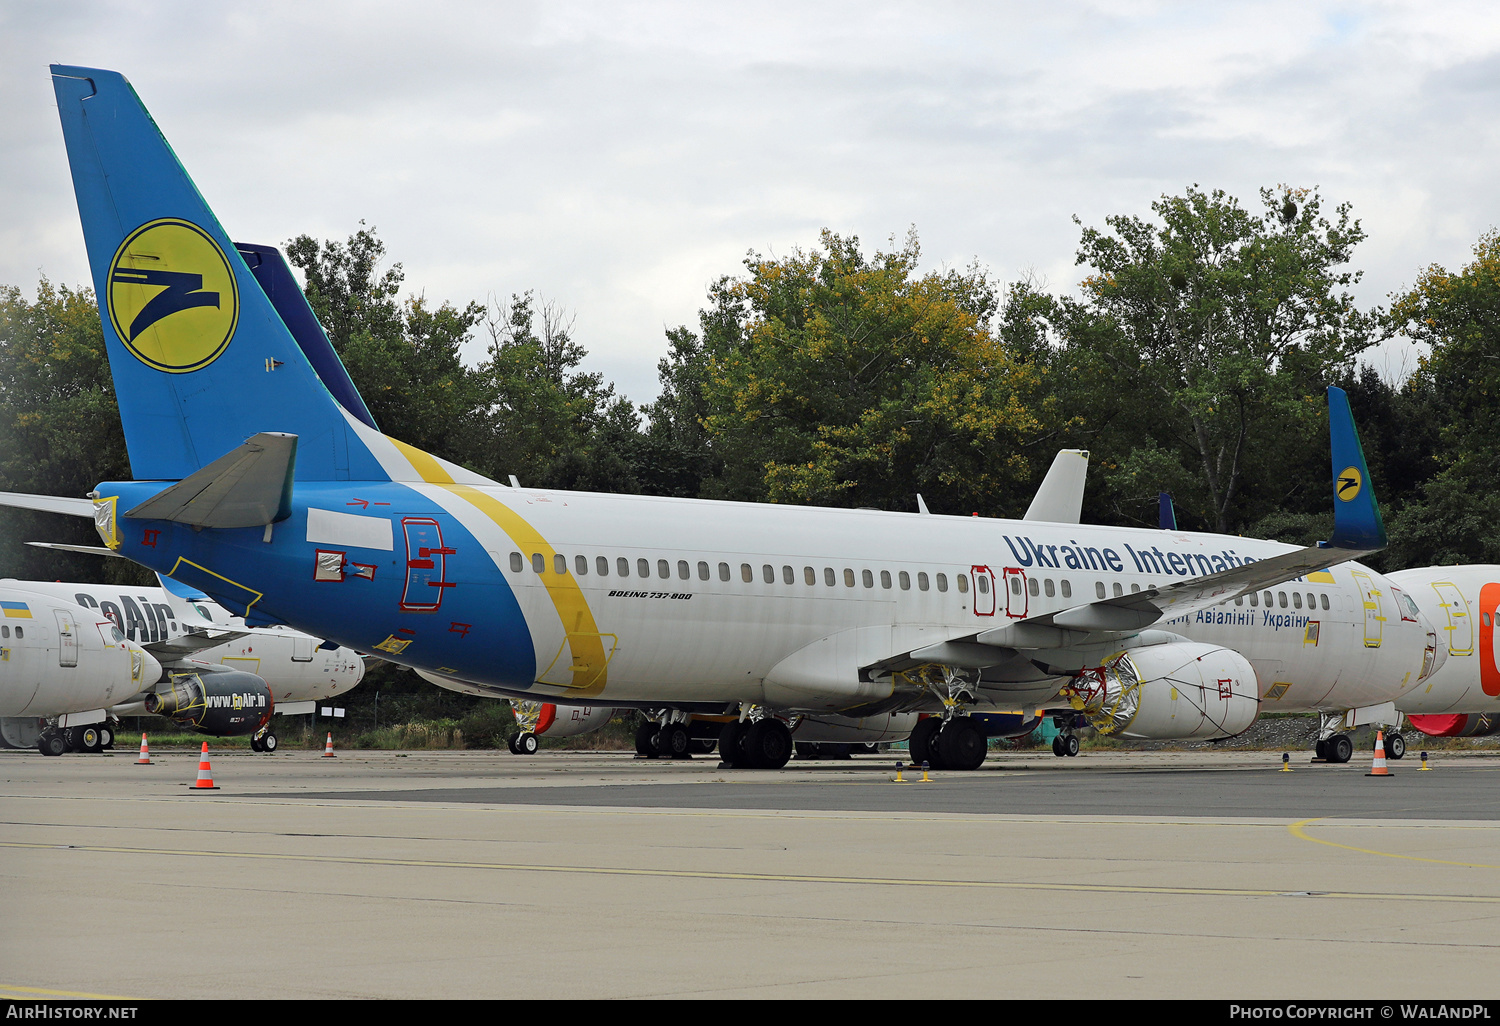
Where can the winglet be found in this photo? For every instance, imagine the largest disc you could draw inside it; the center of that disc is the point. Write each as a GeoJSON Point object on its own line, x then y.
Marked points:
{"type": "Point", "coordinates": [1166, 515]}
{"type": "Point", "coordinates": [1356, 514]}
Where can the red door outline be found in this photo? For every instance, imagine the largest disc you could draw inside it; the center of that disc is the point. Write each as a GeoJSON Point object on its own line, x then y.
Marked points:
{"type": "Point", "coordinates": [986, 598]}
{"type": "Point", "coordinates": [1489, 673]}
{"type": "Point", "coordinates": [1015, 601]}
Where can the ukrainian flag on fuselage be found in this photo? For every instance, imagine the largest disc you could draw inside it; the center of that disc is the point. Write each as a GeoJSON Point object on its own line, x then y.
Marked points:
{"type": "Point", "coordinates": [15, 610]}
{"type": "Point", "coordinates": [200, 358]}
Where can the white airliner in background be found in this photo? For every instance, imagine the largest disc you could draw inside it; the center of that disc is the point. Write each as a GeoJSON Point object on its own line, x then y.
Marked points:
{"type": "Point", "coordinates": [196, 659]}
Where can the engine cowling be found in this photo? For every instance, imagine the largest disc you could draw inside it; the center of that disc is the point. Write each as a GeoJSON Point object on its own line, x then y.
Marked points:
{"type": "Point", "coordinates": [559, 720]}
{"type": "Point", "coordinates": [1179, 691]}
{"type": "Point", "coordinates": [865, 730]}
{"type": "Point", "coordinates": [223, 703]}
{"type": "Point", "coordinates": [1457, 724]}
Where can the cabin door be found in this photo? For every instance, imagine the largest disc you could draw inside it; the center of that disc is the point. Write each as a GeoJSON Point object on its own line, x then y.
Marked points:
{"type": "Point", "coordinates": [1015, 592]}
{"type": "Point", "coordinates": [984, 591]}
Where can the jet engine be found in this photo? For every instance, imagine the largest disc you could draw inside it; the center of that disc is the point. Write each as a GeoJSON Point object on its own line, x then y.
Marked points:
{"type": "Point", "coordinates": [221, 702]}
{"type": "Point", "coordinates": [559, 720]}
{"type": "Point", "coordinates": [1457, 724]}
{"type": "Point", "coordinates": [1179, 691]}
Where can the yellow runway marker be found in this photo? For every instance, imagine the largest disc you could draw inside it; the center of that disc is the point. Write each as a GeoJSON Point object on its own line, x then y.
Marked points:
{"type": "Point", "coordinates": [690, 874]}
{"type": "Point", "coordinates": [10, 990]}
{"type": "Point", "coordinates": [1299, 830]}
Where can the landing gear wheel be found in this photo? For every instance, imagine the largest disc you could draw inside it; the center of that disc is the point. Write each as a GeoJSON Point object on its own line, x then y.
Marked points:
{"type": "Point", "coordinates": [674, 742]}
{"type": "Point", "coordinates": [1058, 749]}
{"type": "Point", "coordinates": [526, 743]}
{"type": "Point", "coordinates": [1340, 748]}
{"type": "Point", "coordinates": [1320, 750]}
{"type": "Point", "coordinates": [920, 745]}
{"type": "Point", "coordinates": [255, 745]}
{"type": "Point", "coordinates": [107, 739]}
{"type": "Point", "coordinates": [962, 745]}
{"type": "Point", "coordinates": [52, 743]}
{"type": "Point", "coordinates": [645, 739]}
{"type": "Point", "coordinates": [268, 743]}
{"type": "Point", "coordinates": [90, 740]}
{"type": "Point", "coordinates": [73, 738]}
{"type": "Point", "coordinates": [730, 739]}
{"type": "Point", "coordinates": [768, 744]}
{"type": "Point", "coordinates": [1395, 746]}
{"type": "Point", "coordinates": [1070, 745]}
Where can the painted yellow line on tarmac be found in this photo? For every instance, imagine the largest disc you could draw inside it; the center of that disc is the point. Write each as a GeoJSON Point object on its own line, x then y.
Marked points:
{"type": "Point", "coordinates": [1299, 831]}
{"type": "Point", "coordinates": [10, 990]}
{"type": "Point", "coordinates": [692, 874]}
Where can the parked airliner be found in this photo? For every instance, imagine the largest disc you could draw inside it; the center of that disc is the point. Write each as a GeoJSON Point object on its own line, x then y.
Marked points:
{"type": "Point", "coordinates": [265, 482]}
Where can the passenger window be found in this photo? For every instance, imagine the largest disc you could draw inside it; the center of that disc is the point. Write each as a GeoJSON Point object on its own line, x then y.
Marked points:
{"type": "Point", "coordinates": [20, 633]}
{"type": "Point", "coordinates": [829, 577]}
{"type": "Point", "coordinates": [1099, 589]}
{"type": "Point", "coordinates": [683, 571]}
{"type": "Point", "coordinates": [601, 565]}
{"type": "Point", "coordinates": [516, 563]}
{"type": "Point", "coordinates": [1034, 586]}
{"type": "Point", "coordinates": [867, 578]}
{"type": "Point", "coordinates": [622, 565]}
{"type": "Point", "coordinates": [1282, 595]}
{"type": "Point", "coordinates": [723, 571]}
{"type": "Point", "coordinates": [581, 565]}
{"type": "Point", "coordinates": [1266, 595]}
{"type": "Point", "coordinates": [702, 570]}
{"type": "Point", "coordinates": [1312, 601]}
{"type": "Point", "coordinates": [1067, 589]}
{"type": "Point", "coordinates": [746, 574]}
{"type": "Point", "coordinates": [560, 563]}
{"type": "Point", "coordinates": [643, 568]}
{"type": "Point", "coordinates": [1050, 590]}
{"type": "Point", "coordinates": [663, 569]}
{"type": "Point", "coordinates": [1135, 589]}
{"type": "Point", "coordinates": [5, 632]}
{"type": "Point", "coordinates": [1239, 600]}
{"type": "Point", "coordinates": [963, 583]}
{"type": "Point", "coordinates": [810, 576]}
{"type": "Point", "coordinates": [538, 563]}
{"type": "Point", "coordinates": [1325, 601]}
{"type": "Point", "coordinates": [921, 580]}
{"type": "Point", "coordinates": [1297, 599]}
{"type": "Point", "coordinates": [982, 583]}
{"type": "Point", "coordinates": [769, 573]}
{"type": "Point", "coordinates": [905, 579]}
{"type": "Point", "coordinates": [848, 577]}
{"type": "Point", "coordinates": [942, 582]}
{"type": "Point", "coordinates": [788, 575]}
{"type": "Point", "coordinates": [1118, 590]}
{"type": "Point", "coordinates": [1015, 586]}
{"type": "Point", "coordinates": [1255, 598]}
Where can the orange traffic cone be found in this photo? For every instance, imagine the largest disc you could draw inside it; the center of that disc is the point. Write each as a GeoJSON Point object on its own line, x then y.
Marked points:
{"type": "Point", "coordinates": [1378, 768]}
{"type": "Point", "coordinates": [205, 774]}
{"type": "Point", "coordinates": [328, 748]}
{"type": "Point", "coordinates": [145, 759]}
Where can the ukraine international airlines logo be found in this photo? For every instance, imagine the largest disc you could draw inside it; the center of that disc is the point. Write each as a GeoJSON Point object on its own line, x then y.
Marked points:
{"type": "Point", "coordinates": [172, 296]}
{"type": "Point", "coordinates": [1348, 484]}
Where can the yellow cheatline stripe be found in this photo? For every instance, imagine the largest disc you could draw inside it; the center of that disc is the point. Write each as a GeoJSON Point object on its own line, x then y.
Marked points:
{"type": "Point", "coordinates": [11, 990]}
{"type": "Point", "coordinates": [694, 874]}
{"type": "Point", "coordinates": [590, 663]}
{"type": "Point", "coordinates": [1299, 831]}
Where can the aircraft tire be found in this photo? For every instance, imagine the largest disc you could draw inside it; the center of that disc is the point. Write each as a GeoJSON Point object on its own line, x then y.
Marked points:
{"type": "Point", "coordinates": [268, 743]}
{"type": "Point", "coordinates": [674, 742]}
{"type": "Point", "coordinates": [962, 745]}
{"type": "Point", "coordinates": [52, 743]}
{"type": "Point", "coordinates": [1057, 747]}
{"type": "Point", "coordinates": [1340, 748]}
{"type": "Point", "coordinates": [1070, 746]}
{"type": "Point", "coordinates": [730, 739]}
{"type": "Point", "coordinates": [107, 739]}
{"type": "Point", "coordinates": [1320, 750]}
{"type": "Point", "coordinates": [645, 739]}
{"type": "Point", "coordinates": [73, 738]}
{"type": "Point", "coordinates": [255, 745]}
{"type": "Point", "coordinates": [920, 745]}
{"type": "Point", "coordinates": [768, 744]}
{"type": "Point", "coordinates": [90, 740]}
{"type": "Point", "coordinates": [1395, 746]}
{"type": "Point", "coordinates": [527, 744]}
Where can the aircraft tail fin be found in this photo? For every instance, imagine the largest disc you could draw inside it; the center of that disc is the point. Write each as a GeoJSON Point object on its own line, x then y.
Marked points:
{"type": "Point", "coordinates": [1357, 523]}
{"type": "Point", "coordinates": [200, 356]}
{"type": "Point", "coordinates": [1060, 498]}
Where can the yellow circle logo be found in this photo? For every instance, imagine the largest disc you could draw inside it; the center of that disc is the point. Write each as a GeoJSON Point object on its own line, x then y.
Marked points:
{"type": "Point", "coordinates": [1347, 485]}
{"type": "Point", "coordinates": [172, 296]}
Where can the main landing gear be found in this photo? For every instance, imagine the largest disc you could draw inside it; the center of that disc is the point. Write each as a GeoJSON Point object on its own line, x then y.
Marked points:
{"type": "Point", "coordinates": [670, 740]}
{"type": "Point", "coordinates": [93, 738]}
{"type": "Point", "coordinates": [953, 744]}
{"type": "Point", "coordinates": [764, 743]}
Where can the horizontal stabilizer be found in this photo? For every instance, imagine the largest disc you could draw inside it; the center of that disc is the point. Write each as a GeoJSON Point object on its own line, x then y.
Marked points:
{"type": "Point", "coordinates": [1060, 498]}
{"type": "Point", "coordinates": [87, 550]}
{"type": "Point", "coordinates": [49, 504]}
{"type": "Point", "coordinates": [247, 487]}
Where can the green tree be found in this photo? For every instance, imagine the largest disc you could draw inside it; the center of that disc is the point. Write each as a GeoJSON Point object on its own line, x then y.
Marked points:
{"type": "Point", "coordinates": [60, 430]}
{"type": "Point", "coordinates": [833, 378]}
{"type": "Point", "coordinates": [1201, 344]}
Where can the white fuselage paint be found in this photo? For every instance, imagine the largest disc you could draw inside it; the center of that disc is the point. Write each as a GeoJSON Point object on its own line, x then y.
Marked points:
{"type": "Point", "coordinates": [1462, 602]}
{"type": "Point", "coordinates": [57, 657]}
{"type": "Point", "coordinates": [290, 662]}
{"type": "Point", "coordinates": [685, 639]}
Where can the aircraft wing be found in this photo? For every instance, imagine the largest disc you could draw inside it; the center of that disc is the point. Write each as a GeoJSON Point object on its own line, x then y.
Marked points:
{"type": "Point", "coordinates": [1357, 531]}
{"type": "Point", "coordinates": [190, 644]}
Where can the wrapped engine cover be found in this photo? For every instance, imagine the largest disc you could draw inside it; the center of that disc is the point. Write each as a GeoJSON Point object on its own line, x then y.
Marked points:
{"type": "Point", "coordinates": [1457, 725]}
{"type": "Point", "coordinates": [1179, 691]}
{"type": "Point", "coordinates": [224, 703]}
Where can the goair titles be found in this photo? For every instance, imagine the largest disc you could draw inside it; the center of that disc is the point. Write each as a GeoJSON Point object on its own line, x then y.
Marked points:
{"type": "Point", "coordinates": [1074, 556]}
{"type": "Point", "coordinates": [143, 623]}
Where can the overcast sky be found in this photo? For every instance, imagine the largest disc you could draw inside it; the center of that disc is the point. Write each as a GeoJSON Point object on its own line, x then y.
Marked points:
{"type": "Point", "coordinates": [617, 157]}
